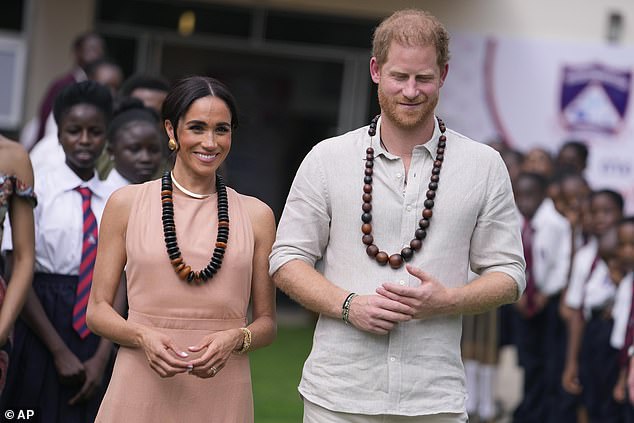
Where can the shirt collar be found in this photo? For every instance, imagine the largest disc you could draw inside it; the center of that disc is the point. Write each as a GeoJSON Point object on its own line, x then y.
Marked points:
{"type": "Point", "coordinates": [116, 179]}
{"type": "Point", "coordinates": [79, 74]}
{"type": "Point", "coordinates": [68, 181]}
{"type": "Point", "coordinates": [546, 208]}
{"type": "Point", "coordinates": [430, 145]}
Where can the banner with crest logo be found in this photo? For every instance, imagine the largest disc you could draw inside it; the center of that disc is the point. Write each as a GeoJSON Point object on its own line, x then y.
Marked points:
{"type": "Point", "coordinates": [541, 93]}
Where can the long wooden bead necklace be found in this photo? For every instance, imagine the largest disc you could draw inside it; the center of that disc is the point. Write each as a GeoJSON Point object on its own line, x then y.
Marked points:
{"type": "Point", "coordinates": [184, 271]}
{"type": "Point", "coordinates": [398, 259]}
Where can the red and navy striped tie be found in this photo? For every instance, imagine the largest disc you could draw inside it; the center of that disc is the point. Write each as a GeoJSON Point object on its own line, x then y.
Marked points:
{"type": "Point", "coordinates": [87, 265]}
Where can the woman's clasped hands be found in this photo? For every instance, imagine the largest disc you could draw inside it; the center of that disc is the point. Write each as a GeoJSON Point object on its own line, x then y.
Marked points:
{"type": "Point", "coordinates": [167, 358]}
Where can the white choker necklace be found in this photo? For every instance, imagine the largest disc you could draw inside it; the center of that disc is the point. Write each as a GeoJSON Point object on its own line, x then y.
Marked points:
{"type": "Point", "coordinates": [188, 192]}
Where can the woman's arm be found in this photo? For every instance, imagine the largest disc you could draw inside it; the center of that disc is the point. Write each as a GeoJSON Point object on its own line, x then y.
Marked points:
{"type": "Point", "coordinates": [575, 324]}
{"type": "Point", "coordinates": [101, 316]}
{"type": "Point", "coordinates": [23, 256]}
{"type": "Point", "coordinates": [264, 325]}
{"type": "Point", "coordinates": [20, 292]}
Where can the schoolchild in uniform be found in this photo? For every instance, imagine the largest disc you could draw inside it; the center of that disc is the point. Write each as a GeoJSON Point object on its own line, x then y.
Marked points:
{"type": "Point", "coordinates": [623, 313]}
{"type": "Point", "coordinates": [539, 330]}
{"type": "Point", "coordinates": [591, 364]}
{"type": "Point", "coordinates": [59, 365]}
{"type": "Point", "coordinates": [134, 144]}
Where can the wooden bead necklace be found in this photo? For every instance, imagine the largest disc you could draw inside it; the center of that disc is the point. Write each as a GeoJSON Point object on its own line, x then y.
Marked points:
{"type": "Point", "coordinates": [397, 260]}
{"type": "Point", "coordinates": [184, 271]}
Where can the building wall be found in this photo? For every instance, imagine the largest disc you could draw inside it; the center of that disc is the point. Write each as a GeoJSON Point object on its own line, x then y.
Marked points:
{"type": "Point", "coordinates": [562, 19]}
{"type": "Point", "coordinates": [54, 23]}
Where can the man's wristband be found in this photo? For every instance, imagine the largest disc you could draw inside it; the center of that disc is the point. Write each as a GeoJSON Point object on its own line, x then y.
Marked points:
{"type": "Point", "coordinates": [345, 308]}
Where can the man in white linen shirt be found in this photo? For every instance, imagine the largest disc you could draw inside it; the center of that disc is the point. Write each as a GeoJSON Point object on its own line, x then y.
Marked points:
{"type": "Point", "coordinates": [392, 352]}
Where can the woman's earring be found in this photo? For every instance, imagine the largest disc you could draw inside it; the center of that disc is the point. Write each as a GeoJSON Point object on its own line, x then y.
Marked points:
{"type": "Point", "coordinates": [171, 144]}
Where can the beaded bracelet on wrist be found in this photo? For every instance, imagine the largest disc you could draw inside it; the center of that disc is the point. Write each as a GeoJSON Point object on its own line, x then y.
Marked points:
{"type": "Point", "coordinates": [345, 308]}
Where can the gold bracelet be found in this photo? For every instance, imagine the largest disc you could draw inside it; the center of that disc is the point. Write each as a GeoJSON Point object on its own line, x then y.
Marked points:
{"type": "Point", "coordinates": [246, 342]}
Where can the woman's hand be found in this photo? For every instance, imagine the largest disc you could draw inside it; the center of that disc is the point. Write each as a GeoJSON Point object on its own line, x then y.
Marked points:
{"type": "Point", "coordinates": [164, 356]}
{"type": "Point", "coordinates": [217, 348]}
{"type": "Point", "coordinates": [69, 368]}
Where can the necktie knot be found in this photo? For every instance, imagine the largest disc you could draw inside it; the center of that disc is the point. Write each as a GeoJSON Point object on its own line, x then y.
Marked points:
{"type": "Point", "coordinates": [85, 192]}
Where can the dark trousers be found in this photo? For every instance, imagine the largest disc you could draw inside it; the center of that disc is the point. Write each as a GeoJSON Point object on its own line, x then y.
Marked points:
{"type": "Point", "coordinates": [541, 348]}
{"type": "Point", "coordinates": [599, 372]}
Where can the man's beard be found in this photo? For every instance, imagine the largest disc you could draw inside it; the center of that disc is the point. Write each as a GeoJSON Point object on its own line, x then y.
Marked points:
{"type": "Point", "coordinates": [402, 119]}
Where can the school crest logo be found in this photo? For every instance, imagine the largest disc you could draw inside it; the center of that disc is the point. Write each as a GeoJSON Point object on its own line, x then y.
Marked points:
{"type": "Point", "coordinates": [594, 98]}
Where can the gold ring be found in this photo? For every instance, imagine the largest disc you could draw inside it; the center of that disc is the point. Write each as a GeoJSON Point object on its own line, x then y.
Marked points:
{"type": "Point", "coordinates": [213, 371]}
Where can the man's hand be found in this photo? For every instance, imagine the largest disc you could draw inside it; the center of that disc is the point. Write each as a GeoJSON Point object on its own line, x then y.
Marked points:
{"type": "Point", "coordinates": [377, 314]}
{"type": "Point", "coordinates": [429, 299]}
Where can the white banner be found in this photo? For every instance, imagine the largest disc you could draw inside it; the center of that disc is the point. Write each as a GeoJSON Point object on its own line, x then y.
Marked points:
{"type": "Point", "coordinates": [537, 93]}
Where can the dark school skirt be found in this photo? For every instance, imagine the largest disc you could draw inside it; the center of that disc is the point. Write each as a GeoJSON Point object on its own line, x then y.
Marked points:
{"type": "Point", "coordinates": [32, 379]}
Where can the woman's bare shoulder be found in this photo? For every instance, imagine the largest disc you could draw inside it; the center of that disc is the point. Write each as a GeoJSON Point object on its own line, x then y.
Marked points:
{"type": "Point", "coordinates": [14, 160]}
{"type": "Point", "coordinates": [258, 210]}
{"type": "Point", "coordinates": [122, 199]}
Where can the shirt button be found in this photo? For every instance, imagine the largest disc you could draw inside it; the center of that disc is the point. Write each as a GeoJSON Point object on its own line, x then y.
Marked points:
{"type": "Point", "coordinates": [392, 359]}
{"type": "Point", "coordinates": [401, 282]}
{"type": "Point", "coordinates": [399, 176]}
{"type": "Point", "coordinates": [408, 208]}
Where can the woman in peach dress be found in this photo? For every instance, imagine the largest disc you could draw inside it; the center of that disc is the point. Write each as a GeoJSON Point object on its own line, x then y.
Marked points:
{"type": "Point", "coordinates": [196, 255]}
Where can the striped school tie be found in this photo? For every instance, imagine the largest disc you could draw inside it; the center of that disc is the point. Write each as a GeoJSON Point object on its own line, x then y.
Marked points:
{"type": "Point", "coordinates": [87, 265]}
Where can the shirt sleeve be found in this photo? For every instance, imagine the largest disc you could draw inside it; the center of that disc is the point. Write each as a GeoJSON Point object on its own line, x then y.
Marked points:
{"type": "Point", "coordinates": [7, 240]}
{"type": "Point", "coordinates": [496, 243]}
{"type": "Point", "coordinates": [304, 228]}
{"type": "Point", "coordinates": [574, 293]}
{"type": "Point", "coordinates": [621, 312]}
{"type": "Point", "coordinates": [558, 275]}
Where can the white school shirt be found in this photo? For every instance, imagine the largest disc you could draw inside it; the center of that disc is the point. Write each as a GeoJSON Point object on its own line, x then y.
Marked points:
{"type": "Point", "coordinates": [594, 290]}
{"type": "Point", "coordinates": [48, 152]}
{"type": "Point", "coordinates": [621, 311]}
{"type": "Point", "coordinates": [114, 181]}
{"type": "Point", "coordinates": [551, 248]}
{"type": "Point", "coordinates": [59, 219]}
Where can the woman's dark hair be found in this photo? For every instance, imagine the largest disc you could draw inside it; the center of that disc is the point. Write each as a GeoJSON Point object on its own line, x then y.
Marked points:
{"type": "Point", "coordinates": [539, 180]}
{"type": "Point", "coordinates": [149, 82]}
{"type": "Point", "coordinates": [130, 110]}
{"type": "Point", "coordinates": [85, 92]}
{"type": "Point", "coordinates": [580, 148]}
{"type": "Point", "coordinates": [188, 90]}
{"type": "Point", "coordinates": [614, 196]}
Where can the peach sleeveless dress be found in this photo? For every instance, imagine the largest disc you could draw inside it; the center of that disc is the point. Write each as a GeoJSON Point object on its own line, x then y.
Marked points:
{"type": "Point", "coordinates": [158, 298]}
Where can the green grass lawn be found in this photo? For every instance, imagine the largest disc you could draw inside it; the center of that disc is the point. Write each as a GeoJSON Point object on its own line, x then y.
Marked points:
{"type": "Point", "coordinates": [276, 371]}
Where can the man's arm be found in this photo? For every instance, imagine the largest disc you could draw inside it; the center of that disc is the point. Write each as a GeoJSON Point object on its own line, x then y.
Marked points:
{"type": "Point", "coordinates": [371, 313]}
{"type": "Point", "coordinates": [431, 298]}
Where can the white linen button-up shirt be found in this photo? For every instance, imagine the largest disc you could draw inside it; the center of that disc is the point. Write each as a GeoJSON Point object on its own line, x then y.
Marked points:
{"type": "Point", "coordinates": [417, 368]}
